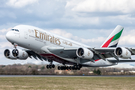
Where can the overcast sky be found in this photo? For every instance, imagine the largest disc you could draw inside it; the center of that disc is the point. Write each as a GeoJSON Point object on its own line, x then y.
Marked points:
{"type": "Point", "coordinates": [86, 21]}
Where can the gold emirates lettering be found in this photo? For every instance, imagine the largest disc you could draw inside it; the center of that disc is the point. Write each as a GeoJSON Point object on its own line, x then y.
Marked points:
{"type": "Point", "coordinates": [45, 36]}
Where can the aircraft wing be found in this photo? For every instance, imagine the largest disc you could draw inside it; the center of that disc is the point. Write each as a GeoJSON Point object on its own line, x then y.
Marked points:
{"type": "Point", "coordinates": [99, 53]}
{"type": "Point", "coordinates": [71, 52]}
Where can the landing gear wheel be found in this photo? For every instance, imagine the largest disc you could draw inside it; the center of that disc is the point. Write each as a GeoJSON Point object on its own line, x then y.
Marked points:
{"type": "Point", "coordinates": [59, 68]}
{"type": "Point", "coordinates": [53, 66]}
{"type": "Point", "coordinates": [47, 66]}
{"type": "Point", "coordinates": [70, 68]}
{"type": "Point", "coordinates": [50, 66]}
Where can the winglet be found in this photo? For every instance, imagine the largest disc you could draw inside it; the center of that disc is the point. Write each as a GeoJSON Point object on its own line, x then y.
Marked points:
{"type": "Point", "coordinates": [113, 39]}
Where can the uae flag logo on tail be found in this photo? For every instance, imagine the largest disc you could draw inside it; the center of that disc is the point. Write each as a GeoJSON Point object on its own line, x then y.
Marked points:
{"type": "Point", "coordinates": [113, 39]}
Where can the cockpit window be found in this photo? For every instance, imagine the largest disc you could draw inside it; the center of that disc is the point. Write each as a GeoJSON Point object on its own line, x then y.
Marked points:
{"type": "Point", "coordinates": [15, 30]}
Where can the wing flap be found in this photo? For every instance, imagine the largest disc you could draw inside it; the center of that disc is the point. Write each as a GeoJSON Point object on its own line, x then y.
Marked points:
{"type": "Point", "coordinates": [104, 50]}
{"type": "Point", "coordinates": [121, 61]}
{"type": "Point", "coordinates": [63, 52]}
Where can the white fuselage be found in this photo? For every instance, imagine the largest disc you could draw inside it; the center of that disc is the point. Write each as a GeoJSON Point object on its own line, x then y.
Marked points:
{"type": "Point", "coordinates": [39, 40]}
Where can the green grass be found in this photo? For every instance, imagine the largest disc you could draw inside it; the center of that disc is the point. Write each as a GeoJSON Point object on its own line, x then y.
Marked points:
{"type": "Point", "coordinates": [67, 83]}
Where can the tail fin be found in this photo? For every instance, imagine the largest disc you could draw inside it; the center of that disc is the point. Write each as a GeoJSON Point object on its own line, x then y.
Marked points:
{"type": "Point", "coordinates": [113, 39]}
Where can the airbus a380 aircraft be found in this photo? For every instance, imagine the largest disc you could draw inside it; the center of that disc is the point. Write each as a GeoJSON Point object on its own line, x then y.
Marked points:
{"type": "Point", "coordinates": [44, 45]}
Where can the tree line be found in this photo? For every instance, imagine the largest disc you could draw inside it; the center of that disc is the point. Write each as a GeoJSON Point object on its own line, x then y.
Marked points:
{"type": "Point", "coordinates": [32, 69]}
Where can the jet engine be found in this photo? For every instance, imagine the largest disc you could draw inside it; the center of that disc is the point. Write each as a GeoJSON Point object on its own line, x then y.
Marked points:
{"type": "Point", "coordinates": [122, 52]}
{"type": "Point", "coordinates": [8, 54]}
{"type": "Point", "coordinates": [20, 54]}
{"type": "Point", "coordinates": [16, 54]}
{"type": "Point", "coordinates": [84, 53]}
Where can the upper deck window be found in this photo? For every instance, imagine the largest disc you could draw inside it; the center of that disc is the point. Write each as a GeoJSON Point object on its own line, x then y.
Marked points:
{"type": "Point", "coordinates": [15, 30]}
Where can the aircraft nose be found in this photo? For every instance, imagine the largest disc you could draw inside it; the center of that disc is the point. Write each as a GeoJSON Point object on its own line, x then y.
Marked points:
{"type": "Point", "coordinates": [8, 36]}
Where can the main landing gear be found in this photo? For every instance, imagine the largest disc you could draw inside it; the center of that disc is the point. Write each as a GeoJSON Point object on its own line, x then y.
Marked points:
{"type": "Point", "coordinates": [50, 66]}
{"type": "Point", "coordinates": [75, 67]}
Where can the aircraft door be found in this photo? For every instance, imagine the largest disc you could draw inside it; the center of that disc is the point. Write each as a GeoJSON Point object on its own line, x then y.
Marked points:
{"type": "Point", "coordinates": [25, 35]}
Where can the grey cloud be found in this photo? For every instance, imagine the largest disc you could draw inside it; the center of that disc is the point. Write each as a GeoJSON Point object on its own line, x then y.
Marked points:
{"type": "Point", "coordinates": [55, 14]}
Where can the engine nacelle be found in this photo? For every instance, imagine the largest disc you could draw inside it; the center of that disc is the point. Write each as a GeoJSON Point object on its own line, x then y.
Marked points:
{"type": "Point", "coordinates": [8, 54]}
{"type": "Point", "coordinates": [84, 53]}
{"type": "Point", "coordinates": [20, 54]}
{"type": "Point", "coordinates": [16, 54]}
{"type": "Point", "coordinates": [122, 52]}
